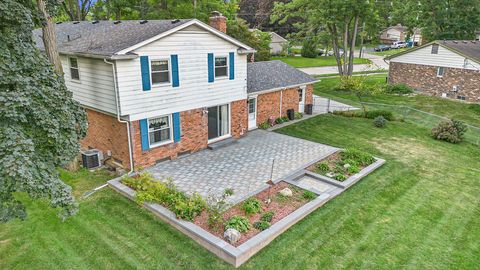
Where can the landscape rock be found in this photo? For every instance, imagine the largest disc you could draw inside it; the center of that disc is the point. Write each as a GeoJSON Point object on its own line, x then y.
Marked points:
{"type": "Point", "coordinates": [286, 192]}
{"type": "Point", "coordinates": [232, 235]}
{"type": "Point", "coordinates": [330, 174]}
{"type": "Point", "coordinates": [346, 166]}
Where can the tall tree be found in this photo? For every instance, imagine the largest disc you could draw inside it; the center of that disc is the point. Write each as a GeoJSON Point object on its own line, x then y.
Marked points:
{"type": "Point", "coordinates": [49, 37]}
{"type": "Point", "coordinates": [40, 123]}
{"type": "Point", "coordinates": [77, 10]}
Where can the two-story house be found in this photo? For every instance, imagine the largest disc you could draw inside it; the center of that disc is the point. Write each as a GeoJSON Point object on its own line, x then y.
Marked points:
{"type": "Point", "coordinates": [154, 90]}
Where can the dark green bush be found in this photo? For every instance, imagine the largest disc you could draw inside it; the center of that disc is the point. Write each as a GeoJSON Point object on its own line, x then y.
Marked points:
{"type": "Point", "coordinates": [261, 225]}
{"type": "Point", "coordinates": [268, 216]}
{"type": "Point", "coordinates": [450, 131]}
{"type": "Point", "coordinates": [323, 167]}
{"type": "Point", "coordinates": [380, 121]}
{"type": "Point", "coordinates": [264, 125]}
{"type": "Point", "coordinates": [375, 113]}
{"type": "Point", "coordinates": [400, 89]}
{"type": "Point", "coordinates": [251, 206]}
{"type": "Point", "coordinates": [309, 48]}
{"type": "Point", "coordinates": [340, 177]}
{"type": "Point", "coordinates": [238, 223]}
{"type": "Point", "coordinates": [281, 120]}
{"type": "Point", "coordinates": [307, 194]}
{"type": "Point", "coordinates": [360, 157]}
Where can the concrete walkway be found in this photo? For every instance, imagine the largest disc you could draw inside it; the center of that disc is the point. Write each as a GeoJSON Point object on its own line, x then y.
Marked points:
{"type": "Point", "coordinates": [244, 166]}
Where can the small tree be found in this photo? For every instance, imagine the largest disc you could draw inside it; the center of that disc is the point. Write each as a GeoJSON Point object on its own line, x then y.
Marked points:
{"type": "Point", "coordinates": [309, 48]}
{"type": "Point", "coordinates": [40, 123]}
{"type": "Point", "coordinates": [257, 39]}
{"type": "Point", "coordinates": [450, 131]}
{"type": "Point", "coordinates": [358, 86]}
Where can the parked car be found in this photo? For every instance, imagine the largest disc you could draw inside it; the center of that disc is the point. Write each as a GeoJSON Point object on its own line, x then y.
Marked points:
{"type": "Point", "coordinates": [398, 45]}
{"type": "Point", "coordinates": [382, 48]}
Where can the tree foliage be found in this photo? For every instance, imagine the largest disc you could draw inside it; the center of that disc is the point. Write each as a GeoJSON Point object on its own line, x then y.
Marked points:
{"type": "Point", "coordinates": [40, 124]}
{"type": "Point", "coordinates": [309, 48]}
{"type": "Point", "coordinates": [257, 39]}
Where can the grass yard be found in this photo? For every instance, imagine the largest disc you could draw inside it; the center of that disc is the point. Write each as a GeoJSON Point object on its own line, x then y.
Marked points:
{"type": "Point", "coordinates": [390, 52]}
{"type": "Point", "coordinates": [300, 62]}
{"type": "Point", "coordinates": [470, 113]}
{"type": "Point", "coordinates": [421, 210]}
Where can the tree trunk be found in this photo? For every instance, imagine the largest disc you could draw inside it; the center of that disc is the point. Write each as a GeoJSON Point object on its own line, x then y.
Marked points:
{"type": "Point", "coordinates": [336, 53]}
{"type": "Point", "coordinates": [352, 46]}
{"type": "Point", "coordinates": [360, 53]}
{"type": "Point", "coordinates": [345, 46]}
{"type": "Point", "coordinates": [49, 38]}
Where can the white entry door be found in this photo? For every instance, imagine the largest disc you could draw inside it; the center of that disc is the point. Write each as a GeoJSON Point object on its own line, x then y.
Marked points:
{"type": "Point", "coordinates": [252, 113]}
{"type": "Point", "coordinates": [301, 99]}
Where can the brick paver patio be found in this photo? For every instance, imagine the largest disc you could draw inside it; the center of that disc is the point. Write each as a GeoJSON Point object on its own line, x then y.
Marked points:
{"type": "Point", "coordinates": [243, 166]}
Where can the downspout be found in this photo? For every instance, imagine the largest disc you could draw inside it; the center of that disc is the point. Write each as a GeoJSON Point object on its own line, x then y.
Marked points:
{"type": "Point", "coordinates": [281, 101]}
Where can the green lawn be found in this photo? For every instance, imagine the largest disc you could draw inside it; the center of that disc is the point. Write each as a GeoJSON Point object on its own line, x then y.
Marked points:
{"type": "Point", "coordinates": [447, 108]}
{"type": "Point", "coordinates": [299, 62]}
{"type": "Point", "coordinates": [421, 210]}
{"type": "Point", "coordinates": [390, 52]}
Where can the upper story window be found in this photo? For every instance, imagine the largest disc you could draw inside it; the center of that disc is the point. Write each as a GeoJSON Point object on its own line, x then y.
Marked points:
{"type": "Point", "coordinates": [440, 71]}
{"type": "Point", "coordinates": [435, 49]}
{"type": "Point", "coordinates": [159, 71]}
{"type": "Point", "coordinates": [159, 130]}
{"type": "Point", "coordinates": [221, 66]}
{"type": "Point", "coordinates": [74, 72]}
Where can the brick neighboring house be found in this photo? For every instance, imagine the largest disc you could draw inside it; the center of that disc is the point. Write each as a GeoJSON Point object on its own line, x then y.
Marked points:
{"type": "Point", "coordinates": [399, 33]}
{"type": "Point", "coordinates": [449, 69]}
{"type": "Point", "coordinates": [154, 90]}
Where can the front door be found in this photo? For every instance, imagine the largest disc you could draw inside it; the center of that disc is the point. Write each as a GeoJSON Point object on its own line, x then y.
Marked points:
{"type": "Point", "coordinates": [218, 122]}
{"type": "Point", "coordinates": [301, 99]}
{"type": "Point", "coordinates": [252, 113]}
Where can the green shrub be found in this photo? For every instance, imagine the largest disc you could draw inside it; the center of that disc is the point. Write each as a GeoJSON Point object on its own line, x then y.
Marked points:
{"type": "Point", "coordinates": [450, 131]}
{"type": "Point", "coordinates": [281, 120]}
{"type": "Point", "coordinates": [375, 113]}
{"type": "Point", "coordinates": [264, 125]}
{"type": "Point", "coordinates": [380, 121]}
{"type": "Point", "coordinates": [349, 113]}
{"type": "Point", "coordinates": [215, 208]}
{"type": "Point", "coordinates": [350, 162]}
{"type": "Point", "coordinates": [307, 194]}
{"type": "Point", "coordinates": [238, 223]}
{"type": "Point", "coordinates": [166, 194]}
{"type": "Point", "coordinates": [323, 167]}
{"type": "Point", "coordinates": [261, 225]}
{"type": "Point", "coordinates": [309, 48]}
{"type": "Point", "coordinates": [268, 216]}
{"type": "Point", "coordinates": [298, 115]}
{"type": "Point", "coordinates": [340, 177]}
{"type": "Point", "coordinates": [360, 157]}
{"type": "Point", "coordinates": [251, 206]}
{"type": "Point", "coordinates": [400, 88]}
{"type": "Point", "coordinates": [353, 169]}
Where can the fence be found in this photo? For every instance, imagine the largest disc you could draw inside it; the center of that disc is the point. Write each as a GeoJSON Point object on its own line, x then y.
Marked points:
{"type": "Point", "coordinates": [405, 113]}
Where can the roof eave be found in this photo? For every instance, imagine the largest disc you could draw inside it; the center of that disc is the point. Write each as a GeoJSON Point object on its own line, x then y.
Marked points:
{"type": "Point", "coordinates": [101, 56]}
{"type": "Point", "coordinates": [281, 88]}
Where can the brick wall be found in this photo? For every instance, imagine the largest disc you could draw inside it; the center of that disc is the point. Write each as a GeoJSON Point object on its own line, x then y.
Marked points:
{"type": "Point", "coordinates": [268, 105]}
{"type": "Point", "coordinates": [424, 78]}
{"type": "Point", "coordinates": [239, 117]}
{"type": "Point", "coordinates": [106, 133]}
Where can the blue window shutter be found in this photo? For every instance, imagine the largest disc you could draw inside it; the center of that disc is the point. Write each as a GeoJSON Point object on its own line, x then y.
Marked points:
{"type": "Point", "coordinates": [232, 65]}
{"type": "Point", "coordinates": [144, 134]}
{"type": "Point", "coordinates": [211, 72]}
{"type": "Point", "coordinates": [175, 78]}
{"type": "Point", "coordinates": [145, 66]}
{"type": "Point", "coordinates": [177, 136]}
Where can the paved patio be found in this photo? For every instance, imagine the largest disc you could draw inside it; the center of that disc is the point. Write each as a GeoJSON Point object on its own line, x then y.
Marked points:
{"type": "Point", "coordinates": [244, 166]}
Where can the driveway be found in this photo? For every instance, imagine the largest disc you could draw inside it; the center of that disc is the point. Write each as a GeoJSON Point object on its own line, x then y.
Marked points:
{"type": "Point", "coordinates": [244, 165]}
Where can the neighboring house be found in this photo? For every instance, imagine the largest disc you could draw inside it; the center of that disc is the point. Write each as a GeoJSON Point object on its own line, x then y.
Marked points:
{"type": "Point", "coordinates": [399, 33]}
{"type": "Point", "coordinates": [440, 68]}
{"type": "Point", "coordinates": [277, 44]}
{"type": "Point", "coordinates": [154, 90]}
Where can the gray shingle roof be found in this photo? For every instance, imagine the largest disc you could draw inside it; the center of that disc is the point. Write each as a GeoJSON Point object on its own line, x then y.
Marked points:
{"type": "Point", "coordinates": [268, 75]}
{"type": "Point", "coordinates": [104, 38]}
{"type": "Point", "coordinates": [468, 48]}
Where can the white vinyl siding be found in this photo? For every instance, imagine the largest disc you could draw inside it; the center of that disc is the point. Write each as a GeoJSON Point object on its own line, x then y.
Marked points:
{"type": "Point", "coordinates": [444, 58]}
{"type": "Point", "coordinates": [96, 87]}
{"type": "Point", "coordinates": [192, 47]}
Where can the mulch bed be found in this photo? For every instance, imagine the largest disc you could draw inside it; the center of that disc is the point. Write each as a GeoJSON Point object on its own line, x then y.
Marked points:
{"type": "Point", "coordinates": [332, 161]}
{"type": "Point", "coordinates": [281, 206]}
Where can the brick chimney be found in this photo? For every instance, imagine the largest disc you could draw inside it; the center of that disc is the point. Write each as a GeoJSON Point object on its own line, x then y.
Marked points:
{"type": "Point", "coordinates": [218, 21]}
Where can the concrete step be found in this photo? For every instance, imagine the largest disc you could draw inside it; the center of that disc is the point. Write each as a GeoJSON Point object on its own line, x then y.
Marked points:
{"type": "Point", "coordinates": [222, 143]}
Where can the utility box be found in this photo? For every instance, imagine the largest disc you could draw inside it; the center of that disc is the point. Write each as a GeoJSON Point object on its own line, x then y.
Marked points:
{"type": "Point", "coordinates": [92, 159]}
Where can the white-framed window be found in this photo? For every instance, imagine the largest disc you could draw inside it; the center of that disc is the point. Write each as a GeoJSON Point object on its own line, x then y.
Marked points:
{"type": "Point", "coordinates": [74, 71]}
{"type": "Point", "coordinates": [251, 105]}
{"type": "Point", "coordinates": [160, 130]}
{"type": "Point", "coordinates": [440, 71]}
{"type": "Point", "coordinates": [160, 71]}
{"type": "Point", "coordinates": [221, 66]}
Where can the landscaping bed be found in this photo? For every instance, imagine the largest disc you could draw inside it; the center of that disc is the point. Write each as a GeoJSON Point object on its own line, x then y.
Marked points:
{"type": "Point", "coordinates": [342, 165]}
{"type": "Point", "coordinates": [279, 207]}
